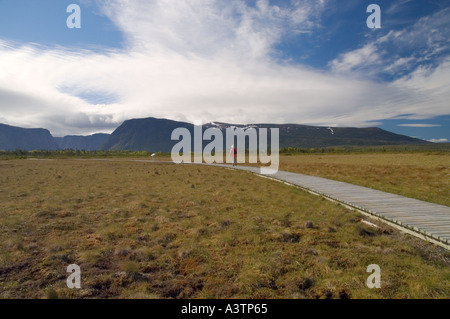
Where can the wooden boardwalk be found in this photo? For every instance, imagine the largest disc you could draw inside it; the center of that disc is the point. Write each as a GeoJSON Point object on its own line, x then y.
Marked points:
{"type": "Point", "coordinates": [422, 219]}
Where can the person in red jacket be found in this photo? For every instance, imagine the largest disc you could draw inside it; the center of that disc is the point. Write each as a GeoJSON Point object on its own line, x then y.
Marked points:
{"type": "Point", "coordinates": [233, 154]}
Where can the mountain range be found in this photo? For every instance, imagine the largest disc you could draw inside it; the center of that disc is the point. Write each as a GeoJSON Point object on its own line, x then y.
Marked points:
{"type": "Point", "coordinates": [154, 135]}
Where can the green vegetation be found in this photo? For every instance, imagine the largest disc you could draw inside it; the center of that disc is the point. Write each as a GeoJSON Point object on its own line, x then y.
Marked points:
{"type": "Point", "coordinates": [151, 230]}
{"type": "Point", "coordinates": [62, 154]}
{"type": "Point", "coordinates": [421, 148]}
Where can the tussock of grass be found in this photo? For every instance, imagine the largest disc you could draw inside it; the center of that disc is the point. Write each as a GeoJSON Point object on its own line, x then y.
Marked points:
{"type": "Point", "coordinates": [140, 230]}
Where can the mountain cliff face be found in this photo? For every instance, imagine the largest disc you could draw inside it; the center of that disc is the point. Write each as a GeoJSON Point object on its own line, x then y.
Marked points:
{"type": "Point", "coordinates": [148, 134]}
{"type": "Point", "coordinates": [86, 143]}
{"type": "Point", "coordinates": [154, 135]}
{"type": "Point", "coordinates": [12, 138]}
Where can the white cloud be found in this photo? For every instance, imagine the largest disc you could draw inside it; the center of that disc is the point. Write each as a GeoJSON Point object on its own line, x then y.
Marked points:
{"type": "Point", "coordinates": [438, 140]}
{"type": "Point", "coordinates": [428, 89]}
{"type": "Point", "coordinates": [207, 60]}
{"type": "Point", "coordinates": [367, 56]}
{"type": "Point", "coordinates": [398, 64]}
{"type": "Point", "coordinates": [419, 125]}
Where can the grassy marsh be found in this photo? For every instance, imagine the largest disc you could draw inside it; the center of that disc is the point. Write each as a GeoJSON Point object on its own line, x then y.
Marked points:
{"type": "Point", "coordinates": [149, 230]}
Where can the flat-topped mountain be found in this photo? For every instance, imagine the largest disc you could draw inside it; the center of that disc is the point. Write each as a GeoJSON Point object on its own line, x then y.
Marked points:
{"type": "Point", "coordinates": [27, 139]}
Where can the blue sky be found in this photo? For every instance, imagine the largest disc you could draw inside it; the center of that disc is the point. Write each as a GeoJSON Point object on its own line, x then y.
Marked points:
{"type": "Point", "coordinates": [301, 61]}
{"type": "Point", "coordinates": [44, 22]}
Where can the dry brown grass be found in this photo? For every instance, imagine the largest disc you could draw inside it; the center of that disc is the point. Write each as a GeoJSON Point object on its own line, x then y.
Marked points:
{"type": "Point", "coordinates": [148, 230]}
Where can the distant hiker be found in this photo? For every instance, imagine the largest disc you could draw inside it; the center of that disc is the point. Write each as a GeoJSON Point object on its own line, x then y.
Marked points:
{"type": "Point", "coordinates": [233, 154]}
{"type": "Point", "coordinates": [153, 156]}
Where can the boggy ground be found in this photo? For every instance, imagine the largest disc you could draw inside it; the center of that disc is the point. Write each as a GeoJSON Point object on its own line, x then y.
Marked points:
{"type": "Point", "coordinates": [149, 230]}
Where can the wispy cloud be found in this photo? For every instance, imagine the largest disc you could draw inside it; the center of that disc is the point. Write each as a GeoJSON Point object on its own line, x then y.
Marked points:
{"type": "Point", "coordinates": [399, 52]}
{"type": "Point", "coordinates": [419, 125]}
{"type": "Point", "coordinates": [359, 59]}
